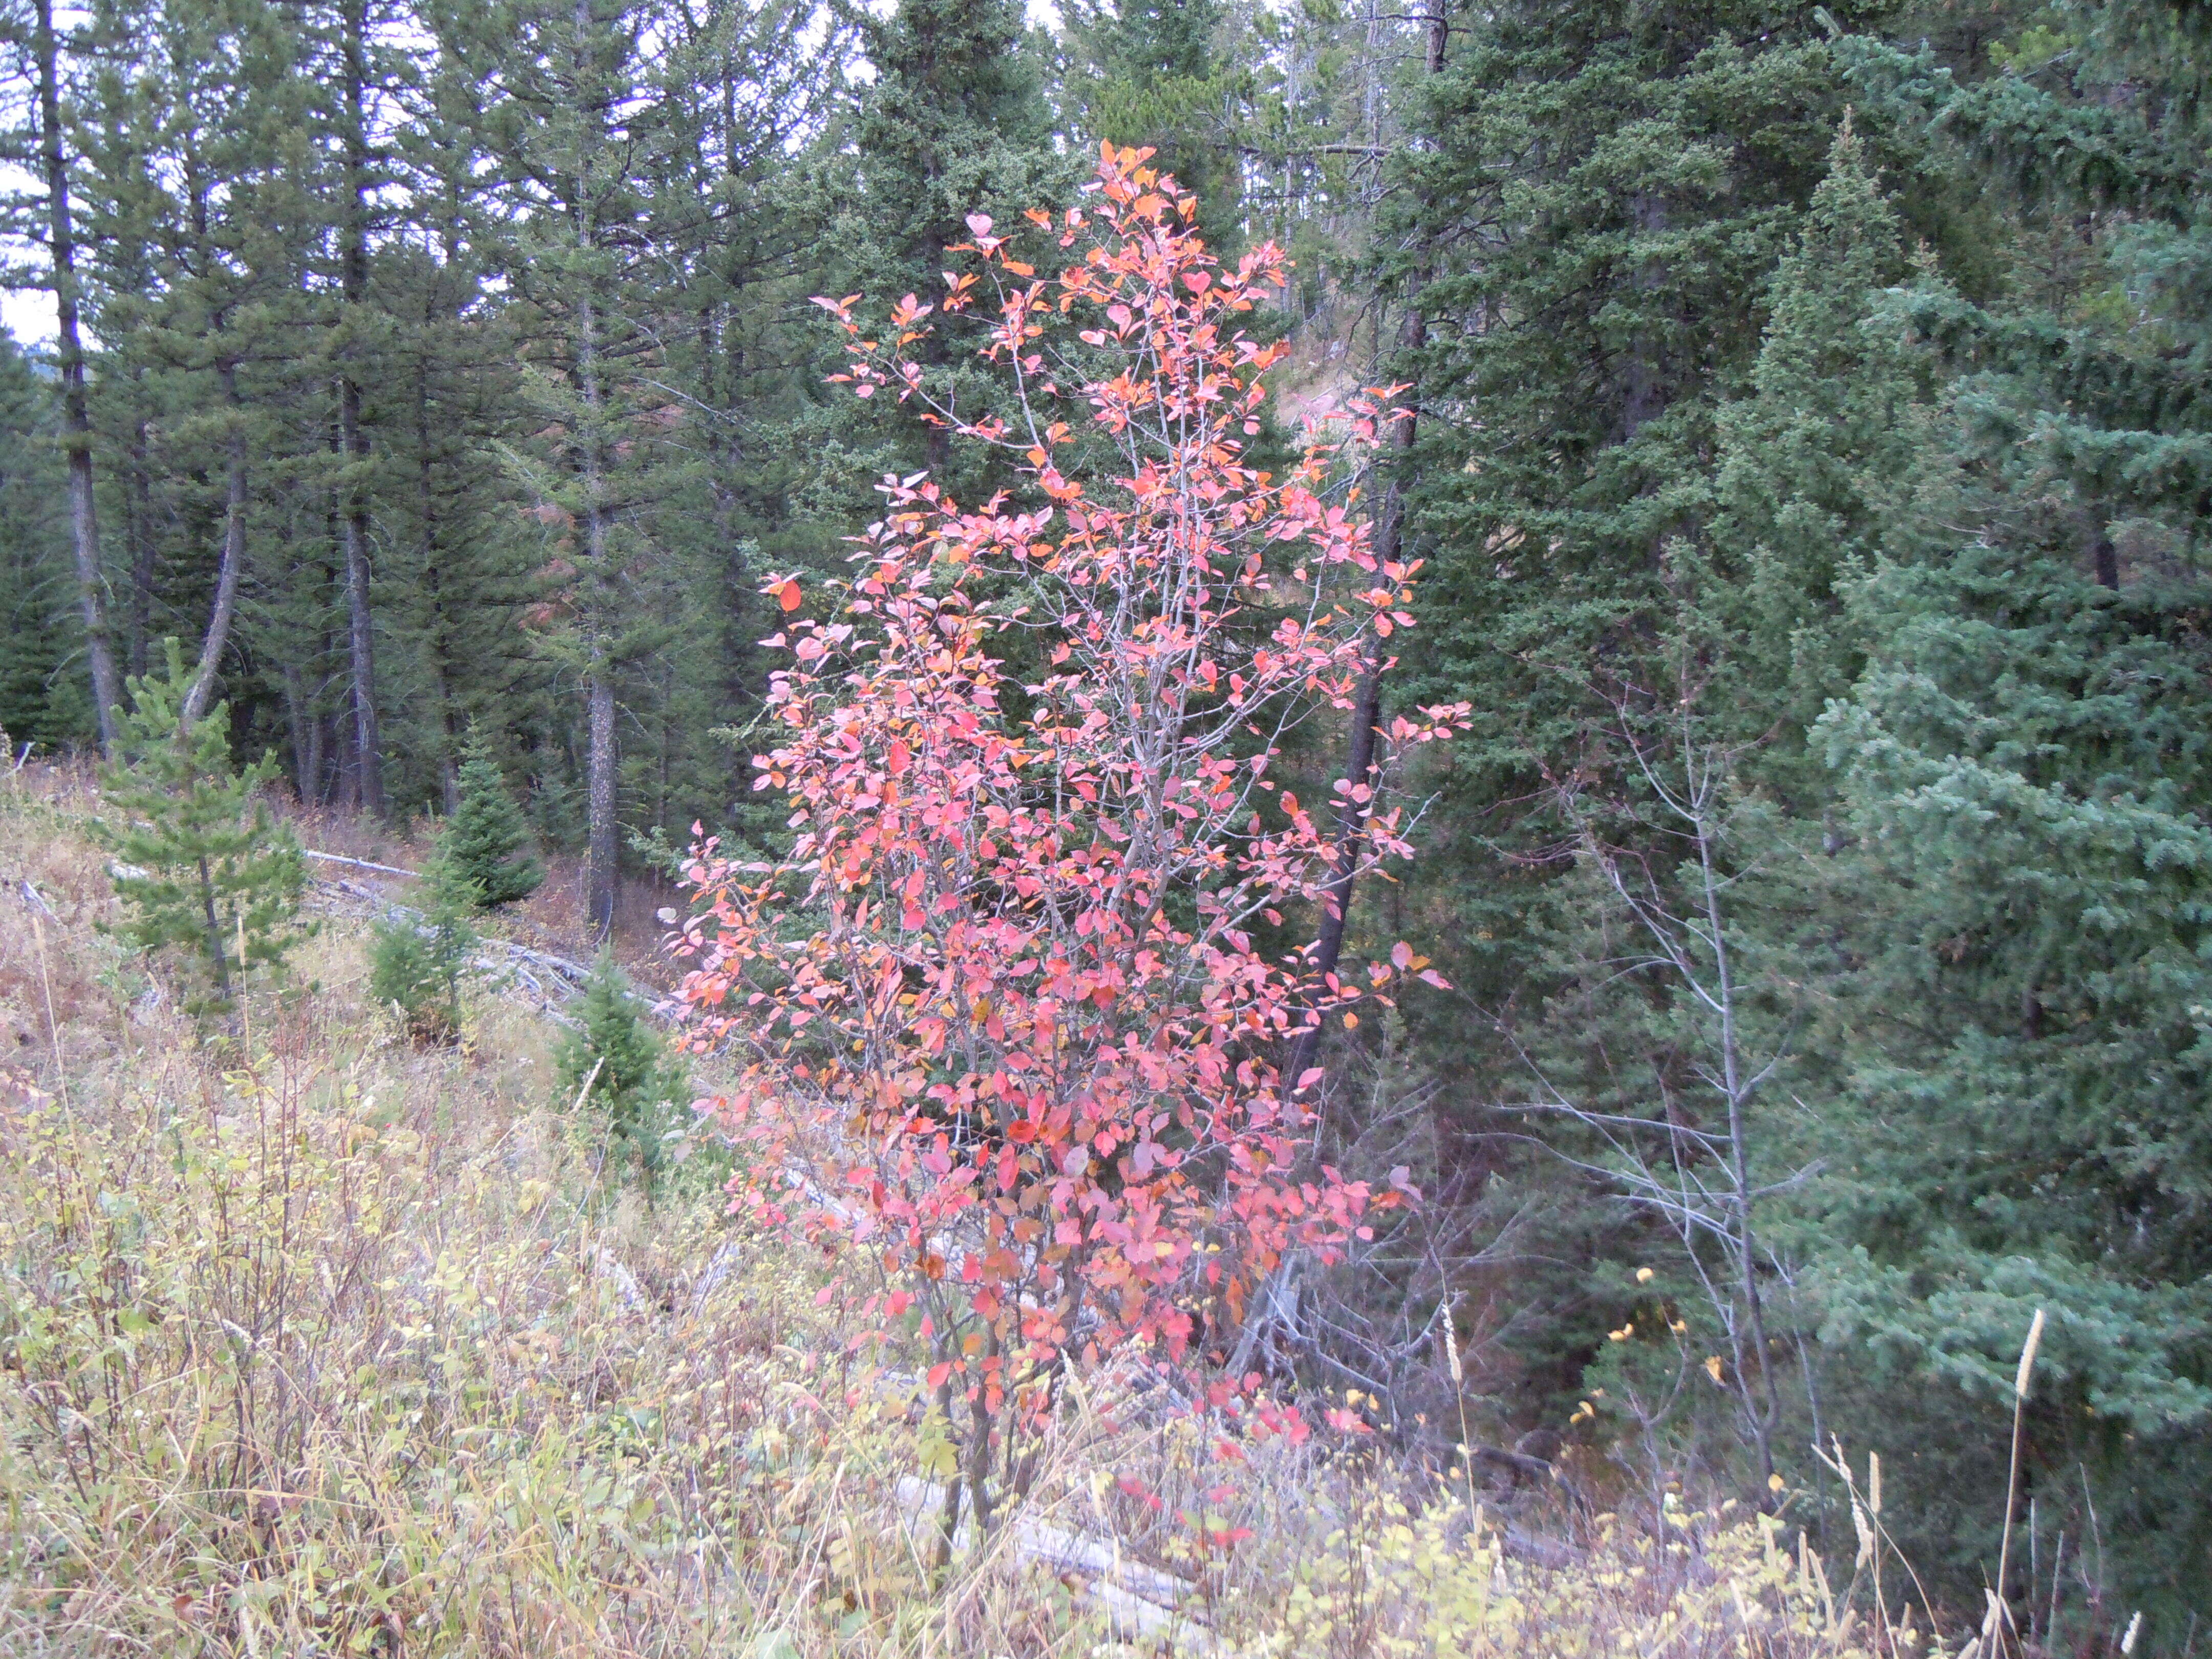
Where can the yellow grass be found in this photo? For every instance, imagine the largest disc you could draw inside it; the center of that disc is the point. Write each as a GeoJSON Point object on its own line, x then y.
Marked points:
{"type": "Point", "coordinates": [314, 1344]}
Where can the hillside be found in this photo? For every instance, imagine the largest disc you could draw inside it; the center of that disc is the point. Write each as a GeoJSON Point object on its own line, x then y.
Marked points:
{"type": "Point", "coordinates": [1488, 722]}
{"type": "Point", "coordinates": [312, 1342]}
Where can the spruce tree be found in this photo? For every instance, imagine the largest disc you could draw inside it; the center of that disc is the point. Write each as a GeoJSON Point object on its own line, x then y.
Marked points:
{"type": "Point", "coordinates": [201, 864]}
{"type": "Point", "coordinates": [1636, 176]}
{"type": "Point", "coordinates": [633, 1078]}
{"type": "Point", "coordinates": [417, 963]}
{"type": "Point", "coordinates": [1812, 460]}
{"type": "Point", "coordinates": [2010, 949]}
{"type": "Point", "coordinates": [486, 841]}
{"type": "Point", "coordinates": [1154, 79]}
{"type": "Point", "coordinates": [956, 124]}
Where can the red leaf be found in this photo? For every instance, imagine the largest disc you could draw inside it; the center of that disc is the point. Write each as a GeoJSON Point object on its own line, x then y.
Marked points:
{"type": "Point", "coordinates": [959, 953]}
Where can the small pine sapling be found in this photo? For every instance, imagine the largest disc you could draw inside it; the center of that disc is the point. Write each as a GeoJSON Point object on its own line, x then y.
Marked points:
{"type": "Point", "coordinates": [487, 840]}
{"type": "Point", "coordinates": [418, 963]}
{"type": "Point", "coordinates": [202, 863]}
{"type": "Point", "coordinates": [615, 1063]}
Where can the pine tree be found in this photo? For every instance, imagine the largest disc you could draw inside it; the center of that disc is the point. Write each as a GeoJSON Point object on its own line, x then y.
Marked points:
{"type": "Point", "coordinates": [486, 840]}
{"type": "Point", "coordinates": [202, 864]}
{"type": "Point", "coordinates": [578, 133]}
{"type": "Point", "coordinates": [41, 702]}
{"type": "Point", "coordinates": [956, 124]}
{"type": "Point", "coordinates": [632, 1078]}
{"type": "Point", "coordinates": [1155, 80]}
{"type": "Point", "coordinates": [417, 963]}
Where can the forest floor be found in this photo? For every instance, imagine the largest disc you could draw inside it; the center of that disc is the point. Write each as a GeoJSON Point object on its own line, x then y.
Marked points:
{"type": "Point", "coordinates": [315, 1343]}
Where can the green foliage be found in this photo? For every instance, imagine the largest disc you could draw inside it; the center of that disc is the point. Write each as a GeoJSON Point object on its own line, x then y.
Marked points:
{"type": "Point", "coordinates": [1810, 458]}
{"type": "Point", "coordinates": [417, 963]}
{"type": "Point", "coordinates": [40, 628]}
{"type": "Point", "coordinates": [200, 862]}
{"type": "Point", "coordinates": [2024, 775]}
{"type": "Point", "coordinates": [1155, 80]}
{"type": "Point", "coordinates": [633, 1078]}
{"type": "Point", "coordinates": [486, 841]}
{"type": "Point", "coordinates": [956, 123]}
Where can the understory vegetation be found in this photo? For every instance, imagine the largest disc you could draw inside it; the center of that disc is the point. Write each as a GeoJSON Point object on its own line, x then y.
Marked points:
{"type": "Point", "coordinates": [315, 1340]}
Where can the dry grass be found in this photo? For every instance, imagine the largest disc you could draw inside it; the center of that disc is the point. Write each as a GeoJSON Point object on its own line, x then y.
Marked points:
{"type": "Point", "coordinates": [312, 1344]}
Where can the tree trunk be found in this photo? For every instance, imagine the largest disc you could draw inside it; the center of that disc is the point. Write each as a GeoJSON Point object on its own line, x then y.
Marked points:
{"type": "Point", "coordinates": [599, 874]}
{"type": "Point", "coordinates": [76, 420]}
{"type": "Point", "coordinates": [598, 580]}
{"type": "Point", "coordinates": [300, 717]}
{"type": "Point", "coordinates": [140, 497]}
{"type": "Point", "coordinates": [1367, 703]}
{"type": "Point", "coordinates": [233, 555]}
{"type": "Point", "coordinates": [361, 633]}
{"type": "Point", "coordinates": [441, 644]}
{"type": "Point", "coordinates": [361, 649]}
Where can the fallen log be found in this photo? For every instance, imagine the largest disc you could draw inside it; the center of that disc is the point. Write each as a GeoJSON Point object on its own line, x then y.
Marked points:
{"type": "Point", "coordinates": [359, 864]}
{"type": "Point", "coordinates": [555, 978]}
{"type": "Point", "coordinates": [1140, 1601]}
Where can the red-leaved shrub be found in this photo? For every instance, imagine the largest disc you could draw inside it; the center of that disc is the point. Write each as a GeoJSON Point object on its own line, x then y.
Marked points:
{"type": "Point", "coordinates": [1003, 1023]}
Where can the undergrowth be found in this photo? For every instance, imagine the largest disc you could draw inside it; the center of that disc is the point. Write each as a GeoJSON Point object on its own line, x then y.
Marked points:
{"type": "Point", "coordinates": [315, 1343]}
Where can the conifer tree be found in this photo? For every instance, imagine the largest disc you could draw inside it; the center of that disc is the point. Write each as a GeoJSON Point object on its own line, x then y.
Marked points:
{"type": "Point", "coordinates": [956, 124]}
{"type": "Point", "coordinates": [40, 702]}
{"type": "Point", "coordinates": [633, 1078]}
{"type": "Point", "coordinates": [201, 863]}
{"type": "Point", "coordinates": [47, 64]}
{"type": "Point", "coordinates": [486, 841]}
{"type": "Point", "coordinates": [2009, 950]}
{"type": "Point", "coordinates": [1596, 201]}
{"type": "Point", "coordinates": [1811, 460]}
{"type": "Point", "coordinates": [1154, 79]}
{"type": "Point", "coordinates": [417, 963]}
{"type": "Point", "coordinates": [579, 131]}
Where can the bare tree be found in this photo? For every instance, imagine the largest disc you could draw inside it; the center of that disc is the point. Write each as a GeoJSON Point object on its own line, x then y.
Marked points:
{"type": "Point", "coordinates": [1698, 1170]}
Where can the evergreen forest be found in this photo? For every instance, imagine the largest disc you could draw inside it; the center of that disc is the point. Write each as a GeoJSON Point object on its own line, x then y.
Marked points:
{"type": "Point", "coordinates": [1808, 465]}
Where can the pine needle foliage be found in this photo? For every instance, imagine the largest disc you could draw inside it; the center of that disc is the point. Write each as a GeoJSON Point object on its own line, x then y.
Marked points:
{"type": "Point", "coordinates": [202, 866]}
{"type": "Point", "coordinates": [487, 840]}
{"type": "Point", "coordinates": [616, 1065]}
{"type": "Point", "coordinates": [417, 963]}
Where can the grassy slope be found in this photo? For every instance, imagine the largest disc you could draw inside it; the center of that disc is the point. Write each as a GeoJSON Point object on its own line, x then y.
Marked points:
{"type": "Point", "coordinates": [331, 1346]}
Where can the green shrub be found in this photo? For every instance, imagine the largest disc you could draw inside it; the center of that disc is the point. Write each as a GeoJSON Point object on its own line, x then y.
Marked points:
{"type": "Point", "coordinates": [633, 1078]}
{"type": "Point", "coordinates": [200, 863]}
{"type": "Point", "coordinates": [487, 838]}
{"type": "Point", "coordinates": [417, 963]}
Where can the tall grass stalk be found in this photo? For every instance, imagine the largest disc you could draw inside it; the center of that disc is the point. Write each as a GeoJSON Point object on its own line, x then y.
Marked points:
{"type": "Point", "coordinates": [2001, 1608]}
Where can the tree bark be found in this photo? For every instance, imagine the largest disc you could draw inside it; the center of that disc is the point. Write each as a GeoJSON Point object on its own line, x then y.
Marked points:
{"type": "Point", "coordinates": [139, 496]}
{"type": "Point", "coordinates": [598, 680]}
{"type": "Point", "coordinates": [599, 881]}
{"type": "Point", "coordinates": [300, 717]}
{"type": "Point", "coordinates": [598, 580]}
{"type": "Point", "coordinates": [77, 419]}
{"type": "Point", "coordinates": [233, 555]}
{"type": "Point", "coordinates": [441, 643]}
{"type": "Point", "coordinates": [361, 632]}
